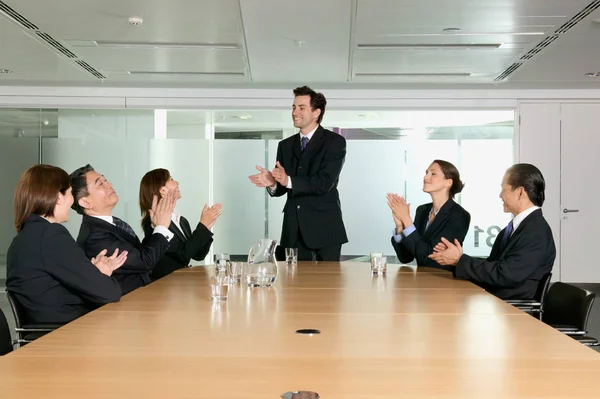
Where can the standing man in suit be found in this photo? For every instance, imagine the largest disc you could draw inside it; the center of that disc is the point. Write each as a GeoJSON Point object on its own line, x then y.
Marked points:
{"type": "Point", "coordinates": [307, 170]}
{"type": "Point", "coordinates": [523, 252]}
{"type": "Point", "coordinates": [95, 199]}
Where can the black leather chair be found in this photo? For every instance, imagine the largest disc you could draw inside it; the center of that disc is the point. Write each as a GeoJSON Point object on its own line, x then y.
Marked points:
{"type": "Point", "coordinates": [567, 308]}
{"type": "Point", "coordinates": [6, 345]}
{"type": "Point", "coordinates": [26, 332]}
{"type": "Point", "coordinates": [535, 306]}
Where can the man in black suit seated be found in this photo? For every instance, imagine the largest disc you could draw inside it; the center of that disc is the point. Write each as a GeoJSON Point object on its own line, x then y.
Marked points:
{"type": "Point", "coordinates": [95, 198]}
{"type": "Point", "coordinates": [523, 252]}
{"type": "Point", "coordinates": [307, 170]}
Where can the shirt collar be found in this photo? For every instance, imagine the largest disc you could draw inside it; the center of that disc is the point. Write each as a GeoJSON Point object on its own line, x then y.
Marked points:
{"type": "Point", "coordinates": [521, 216]}
{"type": "Point", "coordinates": [176, 217]}
{"type": "Point", "coordinates": [310, 134]}
{"type": "Point", "coordinates": [108, 219]}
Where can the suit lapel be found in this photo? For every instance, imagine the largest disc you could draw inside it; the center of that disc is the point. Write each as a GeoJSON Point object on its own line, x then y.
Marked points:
{"type": "Point", "coordinates": [173, 229]}
{"type": "Point", "coordinates": [296, 146]}
{"type": "Point", "coordinates": [440, 218]}
{"type": "Point", "coordinates": [113, 229]}
{"type": "Point", "coordinates": [185, 225]}
{"type": "Point", "coordinates": [314, 143]}
{"type": "Point", "coordinates": [519, 229]}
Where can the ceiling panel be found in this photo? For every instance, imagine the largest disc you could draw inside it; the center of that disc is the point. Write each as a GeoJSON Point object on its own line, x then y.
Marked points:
{"type": "Point", "coordinates": [279, 43]}
{"type": "Point", "coordinates": [515, 25]}
{"type": "Point", "coordinates": [169, 21]}
{"type": "Point", "coordinates": [422, 61]}
{"type": "Point", "coordinates": [175, 60]}
{"type": "Point", "coordinates": [30, 60]}
{"type": "Point", "coordinates": [569, 58]}
{"type": "Point", "coordinates": [298, 42]}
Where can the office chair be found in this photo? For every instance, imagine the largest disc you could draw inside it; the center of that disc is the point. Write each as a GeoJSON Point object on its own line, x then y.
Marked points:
{"type": "Point", "coordinates": [26, 333]}
{"type": "Point", "coordinates": [6, 345]}
{"type": "Point", "coordinates": [534, 306]}
{"type": "Point", "coordinates": [567, 308]}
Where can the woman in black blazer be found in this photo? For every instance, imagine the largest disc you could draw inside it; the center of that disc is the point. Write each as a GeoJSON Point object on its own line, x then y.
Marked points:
{"type": "Point", "coordinates": [49, 275]}
{"type": "Point", "coordinates": [185, 244]}
{"type": "Point", "coordinates": [440, 218]}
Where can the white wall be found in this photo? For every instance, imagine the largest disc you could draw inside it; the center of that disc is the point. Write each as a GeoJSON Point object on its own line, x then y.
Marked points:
{"type": "Point", "coordinates": [539, 144]}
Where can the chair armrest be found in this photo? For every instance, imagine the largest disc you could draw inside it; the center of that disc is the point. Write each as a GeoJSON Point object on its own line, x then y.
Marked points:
{"type": "Point", "coordinates": [569, 330]}
{"type": "Point", "coordinates": [38, 327]}
{"type": "Point", "coordinates": [523, 302]}
{"type": "Point", "coordinates": [586, 340]}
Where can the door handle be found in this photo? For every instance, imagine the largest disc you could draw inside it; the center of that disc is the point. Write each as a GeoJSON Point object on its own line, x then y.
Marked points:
{"type": "Point", "coordinates": [570, 210]}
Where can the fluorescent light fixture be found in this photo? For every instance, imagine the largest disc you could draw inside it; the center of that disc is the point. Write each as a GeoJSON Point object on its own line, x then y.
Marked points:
{"type": "Point", "coordinates": [536, 33]}
{"type": "Point", "coordinates": [412, 75]}
{"type": "Point", "coordinates": [438, 46]}
{"type": "Point", "coordinates": [186, 73]}
{"type": "Point", "coordinates": [153, 45]}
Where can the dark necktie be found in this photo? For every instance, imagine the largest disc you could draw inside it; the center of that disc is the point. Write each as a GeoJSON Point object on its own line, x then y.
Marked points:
{"type": "Point", "coordinates": [303, 142]}
{"type": "Point", "coordinates": [506, 235]}
{"type": "Point", "coordinates": [124, 226]}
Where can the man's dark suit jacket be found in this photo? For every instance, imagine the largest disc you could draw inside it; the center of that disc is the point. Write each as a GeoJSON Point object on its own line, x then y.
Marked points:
{"type": "Point", "coordinates": [51, 278]}
{"type": "Point", "coordinates": [313, 203]}
{"type": "Point", "coordinates": [514, 272]}
{"type": "Point", "coordinates": [96, 234]}
{"type": "Point", "coordinates": [451, 222]}
{"type": "Point", "coordinates": [184, 245]}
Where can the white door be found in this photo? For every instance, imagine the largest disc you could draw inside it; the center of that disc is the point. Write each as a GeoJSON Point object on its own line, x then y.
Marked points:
{"type": "Point", "coordinates": [580, 191]}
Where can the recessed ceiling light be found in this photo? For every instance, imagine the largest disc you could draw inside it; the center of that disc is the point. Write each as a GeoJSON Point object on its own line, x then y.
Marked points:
{"type": "Point", "coordinates": [452, 30]}
{"type": "Point", "coordinates": [6, 71]}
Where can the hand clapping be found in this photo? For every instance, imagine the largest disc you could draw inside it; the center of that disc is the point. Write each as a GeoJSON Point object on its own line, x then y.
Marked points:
{"type": "Point", "coordinates": [447, 253]}
{"type": "Point", "coordinates": [108, 264]}
{"type": "Point", "coordinates": [210, 215]}
{"type": "Point", "coordinates": [400, 210]}
{"type": "Point", "coordinates": [262, 179]}
{"type": "Point", "coordinates": [161, 211]}
{"type": "Point", "coordinates": [279, 175]}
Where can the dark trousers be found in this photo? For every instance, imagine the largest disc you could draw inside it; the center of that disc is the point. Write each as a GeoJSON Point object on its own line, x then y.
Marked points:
{"type": "Point", "coordinates": [326, 254]}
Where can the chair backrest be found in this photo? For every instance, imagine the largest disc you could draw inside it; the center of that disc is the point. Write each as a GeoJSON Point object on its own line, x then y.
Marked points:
{"type": "Point", "coordinates": [568, 305]}
{"type": "Point", "coordinates": [543, 288]}
{"type": "Point", "coordinates": [5, 338]}
{"type": "Point", "coordinates": [16, 309]}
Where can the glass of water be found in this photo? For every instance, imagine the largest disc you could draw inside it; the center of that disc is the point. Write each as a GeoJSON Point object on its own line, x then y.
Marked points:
{"type": "Point", "coordinates": [236, 271]}
{"type": "Point", "coordinates": [379, 265]}
{"type": "Point", "coordinates": [219, 284]}
{"type": "Point", "coordinates": [291, 256]}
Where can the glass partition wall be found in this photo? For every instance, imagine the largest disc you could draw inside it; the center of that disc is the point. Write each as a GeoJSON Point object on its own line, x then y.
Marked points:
{"type": "Point", "coordinates": [212, 152]}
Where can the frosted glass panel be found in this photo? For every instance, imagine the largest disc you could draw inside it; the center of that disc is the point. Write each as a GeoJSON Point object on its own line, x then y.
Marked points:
{"type": "Point", "coordinates": [275, 204]}
{"type": "Point", "coordinates": [372, 168]}
{"type": "Point", "coordinates": [483, 165]}
{"type": "Point", "coordinates": [17, 155]}
{"type": "Point", "coordinates": [243, 220]}
{"type": "Point", "coordinates": [108, 157]}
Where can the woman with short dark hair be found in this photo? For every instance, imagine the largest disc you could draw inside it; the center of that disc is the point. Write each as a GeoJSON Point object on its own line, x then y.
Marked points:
{"type": "Point", "coordinates": [49, 275]}
{"type": "Point", "coordinates": [440, 218]}
{"type": "Point", "coordinates": [186, 244]}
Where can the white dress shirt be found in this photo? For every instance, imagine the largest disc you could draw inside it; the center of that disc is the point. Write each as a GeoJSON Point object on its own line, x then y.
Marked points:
{"type": "Point", "coordinates": [521, 216]}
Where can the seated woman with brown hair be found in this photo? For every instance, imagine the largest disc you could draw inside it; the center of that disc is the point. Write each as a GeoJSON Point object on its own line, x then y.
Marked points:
{"type": "Point", "coordinates": [440, 218]}
{"type": "Point", "coordinates": [186, 244]}
{"type": "Point", "coordinates": [48, 274]}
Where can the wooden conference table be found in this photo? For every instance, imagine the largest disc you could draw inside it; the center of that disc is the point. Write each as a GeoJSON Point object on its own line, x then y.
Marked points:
{"type": "Point", "coordinates": [409, 334]}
